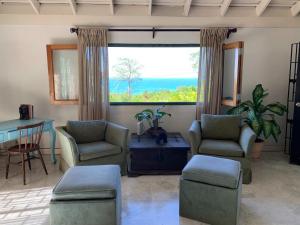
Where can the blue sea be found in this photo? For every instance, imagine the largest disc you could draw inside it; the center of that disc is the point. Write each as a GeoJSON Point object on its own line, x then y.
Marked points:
{"type": "Point", "coordinates": [151, 84]}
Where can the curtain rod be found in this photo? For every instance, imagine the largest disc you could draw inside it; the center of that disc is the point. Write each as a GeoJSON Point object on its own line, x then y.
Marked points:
{"type": "Point", "coordinates": [154, 30]}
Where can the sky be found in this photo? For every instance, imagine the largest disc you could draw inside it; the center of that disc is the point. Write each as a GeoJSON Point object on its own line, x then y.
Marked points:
{"type": "Point", "coordinates": [157, 62]}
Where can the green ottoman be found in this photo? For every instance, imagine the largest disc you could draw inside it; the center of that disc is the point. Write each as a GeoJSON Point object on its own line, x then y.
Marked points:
{"type": "Point", "coordinates": [89, 195]}
{"type": "Point", "coordinates": [210, 190]}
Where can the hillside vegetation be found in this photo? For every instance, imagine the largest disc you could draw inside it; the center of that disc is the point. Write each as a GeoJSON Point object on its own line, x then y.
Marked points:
{"type": "Point", "coordinates": [181, 94]}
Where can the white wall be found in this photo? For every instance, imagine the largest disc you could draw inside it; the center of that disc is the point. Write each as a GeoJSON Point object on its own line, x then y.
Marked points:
{"type": "Point", "coordinates": [24, 75]}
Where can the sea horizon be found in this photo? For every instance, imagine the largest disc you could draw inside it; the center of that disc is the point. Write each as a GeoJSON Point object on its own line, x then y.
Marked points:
{"type": "Point", "coordinates": [151, 84]}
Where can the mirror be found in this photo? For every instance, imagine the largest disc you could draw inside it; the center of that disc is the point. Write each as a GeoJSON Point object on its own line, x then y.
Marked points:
{"type": "Point", "coordinates": [232, 73]}
{"type": "Point", "coordinates": [63, 73]}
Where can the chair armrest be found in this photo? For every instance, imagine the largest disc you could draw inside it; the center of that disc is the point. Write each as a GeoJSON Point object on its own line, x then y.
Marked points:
{"type": "Point", "coordinates": [117, 135]}
{"type": "Point", "coordinates": [69, 150]}
{"type": "Point", "coordinates": [195, 136]}
{"type": "Point", "coordinates": [247, 139]}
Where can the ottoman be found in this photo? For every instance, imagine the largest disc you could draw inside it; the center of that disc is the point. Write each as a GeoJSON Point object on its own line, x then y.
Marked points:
{"type": "Point", "coordinates": [210, 190]}
{"type": "Point", "coordinates": [89, 195]}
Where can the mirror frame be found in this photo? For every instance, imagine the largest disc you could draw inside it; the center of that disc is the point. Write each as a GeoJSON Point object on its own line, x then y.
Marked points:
{"type": "Point", "coordinates": [237, 86]}
{"type": "Point", "coordinates": [50, 49]}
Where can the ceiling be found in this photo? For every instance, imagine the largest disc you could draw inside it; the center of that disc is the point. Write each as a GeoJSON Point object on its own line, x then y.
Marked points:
{"type": "Point", "coordinates": [183, 8]}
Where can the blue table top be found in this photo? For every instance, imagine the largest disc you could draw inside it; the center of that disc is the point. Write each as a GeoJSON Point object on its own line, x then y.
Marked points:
{"type": "Point", "coordinates": [9, 125]}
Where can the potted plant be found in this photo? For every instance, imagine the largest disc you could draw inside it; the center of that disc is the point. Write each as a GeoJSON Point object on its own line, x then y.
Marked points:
{"type": "Point", "coordinates": [153, 118]}
{"type": "Point", "coordinates": [261, 118]}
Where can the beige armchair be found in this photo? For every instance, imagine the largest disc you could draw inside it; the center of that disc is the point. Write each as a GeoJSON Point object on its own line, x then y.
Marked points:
{"type": "Point", "coordinates": [94, 142]}
{"type": "Point", "coordinates": [223, 136]}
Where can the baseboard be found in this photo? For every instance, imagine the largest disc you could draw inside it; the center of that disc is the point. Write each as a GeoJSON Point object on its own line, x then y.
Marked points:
{"type": "Point", "coordinates": [273, 148]}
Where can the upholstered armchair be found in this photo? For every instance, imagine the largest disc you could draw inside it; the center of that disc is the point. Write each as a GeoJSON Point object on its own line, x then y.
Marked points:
{"type": "Point", "coordinates": [223, 136]}
{"type": "Point", "coordinates": [94, 142]}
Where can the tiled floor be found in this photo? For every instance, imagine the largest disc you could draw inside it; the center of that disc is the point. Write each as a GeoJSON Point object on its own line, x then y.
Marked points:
{"type": "Point", "coordinates": [273, 198]}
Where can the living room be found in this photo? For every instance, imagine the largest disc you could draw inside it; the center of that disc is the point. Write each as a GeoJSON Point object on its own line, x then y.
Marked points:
{"type": "Point", "coordinates": [161, 36]}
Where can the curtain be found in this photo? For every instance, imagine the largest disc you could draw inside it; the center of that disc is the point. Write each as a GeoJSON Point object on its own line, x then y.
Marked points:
{"type": "Point", "coordinates": [210, 71]}
{"type": "Point", "coordinates": [93, 73]}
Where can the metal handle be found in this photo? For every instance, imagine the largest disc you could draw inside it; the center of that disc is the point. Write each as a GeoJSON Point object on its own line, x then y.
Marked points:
{"type": "Point", "coordinates": [298, 104]}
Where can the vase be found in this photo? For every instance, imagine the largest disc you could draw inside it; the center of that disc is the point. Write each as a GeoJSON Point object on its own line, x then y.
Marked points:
{"type": "Point", "coordinates": [257, 149]}
{"type": "Point", "coordinates": [155, 123]}
{"type": "Point", "coordinates": [140, 129]}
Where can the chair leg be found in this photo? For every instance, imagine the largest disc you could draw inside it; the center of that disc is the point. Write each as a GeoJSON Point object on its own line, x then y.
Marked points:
{"type": "Point", "coordinates": [28, 159]}
{"type": "Point", "coordinates": [42, 160]}
{"type": "Point", "coordinates": [7, 165]}
{"type": "Point", "coordinates": [23, 168]}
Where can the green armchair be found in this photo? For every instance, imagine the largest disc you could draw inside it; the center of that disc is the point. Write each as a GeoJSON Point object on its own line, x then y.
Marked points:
{"type": "Point", "coordinates": [94, 142]}
{"type": "Point", "coordinates": [223, 136]}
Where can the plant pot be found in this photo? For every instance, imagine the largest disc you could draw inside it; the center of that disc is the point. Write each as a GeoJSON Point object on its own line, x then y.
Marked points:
{"type": "Point", "coordinates": [154, 132]}
{"type": "Point", "coordinates": [257, 149]}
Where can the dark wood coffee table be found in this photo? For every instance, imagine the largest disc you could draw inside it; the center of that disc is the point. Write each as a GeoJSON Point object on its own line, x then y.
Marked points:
{"type": "Point", "coordinates": [148, 158]}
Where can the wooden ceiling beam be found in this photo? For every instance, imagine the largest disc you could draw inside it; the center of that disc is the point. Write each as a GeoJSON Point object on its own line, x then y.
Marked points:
{"type": "Point", "coordinates": [112, 7]}
{"type": "Point", "coordinates": [150, 8]}
{"type": "Point", "coordinates": [261, 7]}
{"type": "Point", "coordinates": [73, 6]}
{"type": "Point", "coordinates": [224, 7]}
{"type": "Point", "coordinates": [187, 7]}
{"type": "Point", "coordinates": [295, 9]}
{"type": "Point", "coordinates": [35, 5]}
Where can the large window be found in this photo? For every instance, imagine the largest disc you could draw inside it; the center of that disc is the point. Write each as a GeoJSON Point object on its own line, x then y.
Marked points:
{"type": "Point", "coordinates": [153, 74]}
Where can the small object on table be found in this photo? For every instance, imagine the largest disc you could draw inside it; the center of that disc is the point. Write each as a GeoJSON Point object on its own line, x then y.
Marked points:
{"type": "Point", "coordinates": [161, 138]}
{"type": "Point", "coordinates": [148, 157]}
{"type": "Point", "coordinates": [26, 112]}
{"type": "Point", "coordinates": [140, 129]}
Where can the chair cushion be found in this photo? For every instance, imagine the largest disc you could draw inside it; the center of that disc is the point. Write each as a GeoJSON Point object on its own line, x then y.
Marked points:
{"type": "Point", "coordinates": [223, 127]}
{"type": "Point", "coordinates": [213, 170]}
{"type": "Point", "coordinates": [96, 182]}
{"type": "Point", "coordinates": [221, 148]}
{"type": "Point", "coordinates": [97, 149]}
{"type": "Point", "coordinates": [87, 131]}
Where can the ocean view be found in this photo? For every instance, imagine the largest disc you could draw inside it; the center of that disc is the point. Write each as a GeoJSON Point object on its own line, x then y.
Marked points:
{"type": "Point", "coordinates": [151, 84]}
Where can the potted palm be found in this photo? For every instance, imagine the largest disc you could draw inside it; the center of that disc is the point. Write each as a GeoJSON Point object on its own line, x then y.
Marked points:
{"type": "Point", "coordinates": [261, 118]}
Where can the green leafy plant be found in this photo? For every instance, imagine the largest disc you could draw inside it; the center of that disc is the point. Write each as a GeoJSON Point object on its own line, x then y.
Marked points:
{"type": "Point", "coordinates": [151, 116]}
{"type": "Point", "coordinates": [260, 117]}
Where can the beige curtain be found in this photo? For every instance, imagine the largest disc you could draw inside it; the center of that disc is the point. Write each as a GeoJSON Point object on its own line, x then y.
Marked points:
{"type": "Point", "coordinates": [210, 71]}
{"type": "Point", "coordinates": [93, 73]}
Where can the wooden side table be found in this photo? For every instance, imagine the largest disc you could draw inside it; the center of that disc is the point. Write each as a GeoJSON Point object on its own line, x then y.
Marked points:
{"type": "Point", "coordinates": [148, 158]}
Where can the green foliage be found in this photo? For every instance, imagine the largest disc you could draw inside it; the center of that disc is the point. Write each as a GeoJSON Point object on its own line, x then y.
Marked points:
{"type": "Point", "coordinates": [146, 114]}
{"type": "Point", "coordinates": [151, 115]}
{"type": "Point", "coordinates": [261, 118]}
{"type": "Point", "coordinates": [181, 94]}
{"type": "Point", "coordinates": [158, 114]}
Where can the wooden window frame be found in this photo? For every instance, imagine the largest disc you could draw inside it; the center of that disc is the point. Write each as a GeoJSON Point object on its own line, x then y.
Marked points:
{"type": "Point", "coordinates": [50, 49]}
{"type": "Point", "coordinates": [151, 45]}
{"type": "Point", "coordinates": [237, 76]}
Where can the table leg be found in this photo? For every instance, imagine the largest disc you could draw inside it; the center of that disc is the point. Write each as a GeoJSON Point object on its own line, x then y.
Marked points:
{"type": "Point", "coordinates": [52, 144]}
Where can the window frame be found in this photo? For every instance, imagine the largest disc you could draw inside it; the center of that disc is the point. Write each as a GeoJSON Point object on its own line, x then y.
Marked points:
{"type": "Point", "coordinates": [151, 45]}
{"type": "Point", "coordinates": [50, 60]}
